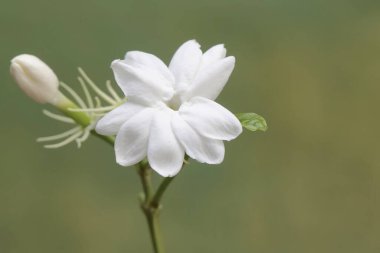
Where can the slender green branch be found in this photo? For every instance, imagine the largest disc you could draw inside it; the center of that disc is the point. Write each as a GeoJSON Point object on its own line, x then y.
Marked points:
{"type": "Point", "coordinates": [150, 211]}
{"type": "Point", "coordinates": [145, 177]}
{"type": "Point", "coordinates": [160, 191]}
{"type": "Point", "coordinates": [151, 205]}
{"type": "Point", "coordinates": [155, 232]}
{"type": "Point", "coordinates": [109, 139]}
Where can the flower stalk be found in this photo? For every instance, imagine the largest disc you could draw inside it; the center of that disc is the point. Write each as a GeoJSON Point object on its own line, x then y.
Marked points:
{"type": "Point", "coordinates": [150, 209]}
{"type": "Point", "coordinates": [151, 204]}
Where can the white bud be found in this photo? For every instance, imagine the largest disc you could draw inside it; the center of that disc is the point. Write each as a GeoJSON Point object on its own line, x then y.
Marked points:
{"type": "Point", "coordinates": [35, 78]}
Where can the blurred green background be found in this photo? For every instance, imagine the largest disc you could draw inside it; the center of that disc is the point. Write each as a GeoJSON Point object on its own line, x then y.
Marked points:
{"type": "Point", "coordinates": [309, 184]}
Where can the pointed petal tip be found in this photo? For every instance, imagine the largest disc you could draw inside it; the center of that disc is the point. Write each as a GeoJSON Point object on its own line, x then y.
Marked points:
{"type": "Point", "coordinates": [166, 173]}
{"type": "Point", "coordinates": [219, 46]}
{"type": "Point", "coordinates": [193, 41]}
{"type": "Point", "coordinates": [212, 162]}
{"type": "Point", "coordinates": [120, 162]}
{"type": "Point", "coordinates": [231, 58]}
{"type": "Point", "coordinates": [98, 128]}
{"type": "Point", "coordinates": [131, 53]}
{"type": "Point", "coordinates": [114, 63]}
{"type": "Point", "coordinates": [101, 125]}
{"type": "Point", "coordinates": [218, 161]}
{"type": "Point", "coordinates": [103, 128]}
{"type": "Point", "coordinates": [238, 129]}
{"type": "Point", "coordinates": [124, 163]}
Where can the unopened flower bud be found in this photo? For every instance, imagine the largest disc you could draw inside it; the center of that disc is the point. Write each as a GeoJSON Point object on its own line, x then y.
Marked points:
{"type": "Point", "coordinates": [35, 78]}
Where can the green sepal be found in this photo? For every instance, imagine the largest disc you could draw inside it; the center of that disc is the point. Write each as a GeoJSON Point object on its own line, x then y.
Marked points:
{"type": "Point", "coordinates": [252, 121]}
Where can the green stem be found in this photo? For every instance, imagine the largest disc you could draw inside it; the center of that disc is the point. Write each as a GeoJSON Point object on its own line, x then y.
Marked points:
{"type": "Point", "coordinates": [145, 176]}
{"type": "Point", "coordinates": [155, 232]}
{"type": "Point", "coordinates": [151, 206]}
{"type": "Point", "coordinates": [109, 139]}
{"type": "Point", "coordinates": [160, 191]}
{"type": "Point", "coordinates": [151, 212]}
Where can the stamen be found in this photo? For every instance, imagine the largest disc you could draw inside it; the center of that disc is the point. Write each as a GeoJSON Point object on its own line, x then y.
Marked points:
{"type": "Point", "coordinates": [58, 117]}
{"type": "Point", "coordinates": [98, 102]}
{"type": "Point", "coordinates": [74, 95]}
{"type": "Point", "coordinates": [86, 92]}
{"type": "Point", "coordinates": [93, 107]}
{"type": "Point", "coordinates": [65, 142]}
{"type": "Point", "coordinates": [95, 88]}
{"type": "Point", "coordinates": [112, 91]}
{"type": "Point", "coordinates": [60, 136]}
{"type": "Point", "coordinates": [83, 138]}
{"type": "Point", "coordinates": [99, 109]}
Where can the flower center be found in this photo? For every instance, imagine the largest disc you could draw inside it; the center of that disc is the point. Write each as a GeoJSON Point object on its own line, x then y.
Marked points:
{"type": "Point", "coordinates": [174, 104]}
{"type": "Point", "coordinates": [178, 98]}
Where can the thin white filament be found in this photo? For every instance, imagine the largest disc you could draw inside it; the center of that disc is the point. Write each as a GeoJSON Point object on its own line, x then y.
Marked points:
{"type": "Point", "coordinates": [112, 91]}
{"type": "Point", "coordinates": [74, 95]}
{"type": "Point", "coordinates": [59, 136]}
{"type": "Point", "coordinates": [100, 109]}
{"type": "Point", "coordinates": [65, 142]}
{"type": "Point", "coordinates": [58, 117]}
{"type": "Point", "coordinates": [95, 88]}
{"type": "Point", "coordinates": [98, 102]}
{"type": "Point", "coordinates": [86, 93]}
{"type": "Point", "coordinates": [83, 138]}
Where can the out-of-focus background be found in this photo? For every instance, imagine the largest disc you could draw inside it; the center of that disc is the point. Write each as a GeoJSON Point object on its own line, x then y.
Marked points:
{"type": "Point", "coordinates": [309, 184]}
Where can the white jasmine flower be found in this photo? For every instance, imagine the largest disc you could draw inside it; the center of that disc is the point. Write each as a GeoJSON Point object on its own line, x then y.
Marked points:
{"type": "Point", "coordinates": [170, 110]}
{"type": "Point", "coordinates": [35, 78]}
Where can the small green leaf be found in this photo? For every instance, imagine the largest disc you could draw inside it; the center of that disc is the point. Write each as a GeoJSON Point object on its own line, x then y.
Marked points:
{"type": "Point", "coordinates": [252, 121]}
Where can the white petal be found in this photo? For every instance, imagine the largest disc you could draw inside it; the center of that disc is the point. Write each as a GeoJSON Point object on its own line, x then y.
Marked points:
{"type": "Point", "coordinates": [185, 63]}
{"type": "Point", "coordinates": [165, 154]}
{"type": "Point", "coordinates": [141, 84]}
{"type": "Point", "coordinates": [212, 55]}
{"type": "Point", "coordinates": [210, 80]}
{"type": "Point", "coordinates": [198, 147]}
{"type": "Point", "coordinates": [149, 62]}
{"type": "Point", "coordinates": [210, 119]}
{"type": "Point", "coordinates": [110, 123]}
{"type": "Point", "coordinates": [132, 140]}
